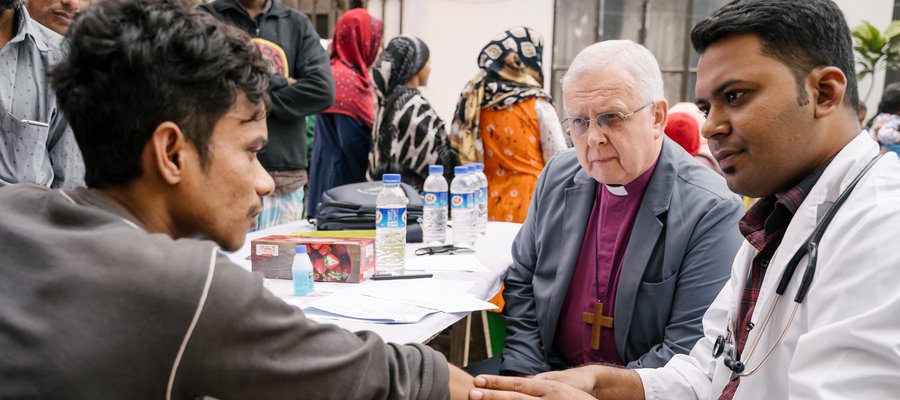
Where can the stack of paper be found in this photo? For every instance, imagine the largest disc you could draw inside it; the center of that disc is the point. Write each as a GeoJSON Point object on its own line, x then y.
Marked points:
{"type": "Point", "coordinates": [359, 306]}
{"type": "Point", "coordinates": [400, 301]}
{"type": "Point", "coordinates": [437, 294]}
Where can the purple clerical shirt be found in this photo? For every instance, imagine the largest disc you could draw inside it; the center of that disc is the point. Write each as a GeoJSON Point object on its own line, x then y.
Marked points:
{"type": "Point", "coordinates": [600, 261]}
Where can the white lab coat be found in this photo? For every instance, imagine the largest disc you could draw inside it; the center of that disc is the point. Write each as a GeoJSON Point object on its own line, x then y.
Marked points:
{"type": "Point", "coordinates": [844, 341]}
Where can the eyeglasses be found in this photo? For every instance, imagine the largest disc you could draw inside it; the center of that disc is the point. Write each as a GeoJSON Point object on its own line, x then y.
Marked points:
{"type": "Point", "coordinates": [445, 249]}
{"type": "Point", "coordinates": [607, 121]}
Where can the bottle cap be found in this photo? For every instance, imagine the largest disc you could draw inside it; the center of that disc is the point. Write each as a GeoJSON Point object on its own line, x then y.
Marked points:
{"type": "Point", "coordinates": [461, 169]}
{"type": "Point", "coordinates": [435, 169]}
{"type": "Point", "coordinates": [391, 178]}
{"type": "Point", "coordinates": [301, 249]}
{"type": "Point", "coordinates": [478, 167]}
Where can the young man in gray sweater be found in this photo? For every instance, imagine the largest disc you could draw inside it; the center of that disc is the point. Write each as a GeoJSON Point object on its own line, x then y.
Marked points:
{"type": "Point", "coordinates": [119, 290]}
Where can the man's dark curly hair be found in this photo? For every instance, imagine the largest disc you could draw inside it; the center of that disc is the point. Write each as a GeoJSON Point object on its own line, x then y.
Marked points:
{"type": "Point", "coordinates": [802, 34]}
{"type": "Point", "coordinates": [134, 64]}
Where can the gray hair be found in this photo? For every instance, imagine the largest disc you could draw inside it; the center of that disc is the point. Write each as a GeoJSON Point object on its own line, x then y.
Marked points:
{"type": "Point", "coordinates": [634, 58]}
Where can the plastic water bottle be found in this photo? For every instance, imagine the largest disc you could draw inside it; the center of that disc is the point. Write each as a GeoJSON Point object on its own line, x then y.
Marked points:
{"type": "Point", "coordinates": [473, 188]}
{"type": "Point", "coordinates": [434, 228]}
{"type": "Point", "coordinates": [481, 197]}
{"type": "Point", "coordinates": [302, 272]}
{"type": "Point", "coordinates": [463, 204]}
{"type": "Point", "coordinates": [390, 227]}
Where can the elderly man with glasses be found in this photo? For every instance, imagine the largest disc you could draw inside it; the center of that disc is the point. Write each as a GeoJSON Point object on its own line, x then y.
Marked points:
{"type": "Point", "coordinates": [627, 240]}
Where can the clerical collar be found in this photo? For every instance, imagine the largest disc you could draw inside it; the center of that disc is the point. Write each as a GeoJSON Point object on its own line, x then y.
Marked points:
{"type": "Point", "coordinates": [617, 190]}
{"type": "Point", "coordinates": [637, 186]}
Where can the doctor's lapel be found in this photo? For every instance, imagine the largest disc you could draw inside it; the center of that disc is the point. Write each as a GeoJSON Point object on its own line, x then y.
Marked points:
{"type": "Point", "coordinates": [817, 203]}
{"type": "Point", "coordinates": [580, 196]}
{"type": "Point", "coordinates": [649, 224]}
{"type": "Point", "coordinates": [843, 168]}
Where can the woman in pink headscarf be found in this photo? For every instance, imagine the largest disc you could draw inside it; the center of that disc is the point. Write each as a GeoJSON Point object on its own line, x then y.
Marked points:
{"type": "Point", "coordinates": [343, 135]}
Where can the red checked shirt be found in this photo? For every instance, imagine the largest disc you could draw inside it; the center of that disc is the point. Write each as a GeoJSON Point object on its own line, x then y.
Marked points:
{"type": "Point", "coordinates": [763, 226]}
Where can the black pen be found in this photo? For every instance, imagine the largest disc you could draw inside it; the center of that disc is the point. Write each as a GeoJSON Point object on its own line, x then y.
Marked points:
{"type": "Point", "coordinates": [385, 277]}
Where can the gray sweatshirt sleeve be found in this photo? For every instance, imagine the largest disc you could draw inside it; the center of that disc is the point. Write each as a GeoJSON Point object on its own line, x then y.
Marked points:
{"type": "Point", "coordinates": [250, 344]}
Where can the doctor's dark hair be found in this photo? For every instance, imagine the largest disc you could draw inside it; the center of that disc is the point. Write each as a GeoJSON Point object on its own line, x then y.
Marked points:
{"type": "Point", "coordinates": [802, 34]}
{"type": "Point", "coordinates": [134, 64]}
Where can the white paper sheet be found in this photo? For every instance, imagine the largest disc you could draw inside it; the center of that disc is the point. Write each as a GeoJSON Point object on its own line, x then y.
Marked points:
{"type": "Point", "coordinates": [449, 303]}
{"type": "Point", "coordinates": [438, 294]}
{"type": "Point", "coordinates": [359, 306]}
{"type": "Point", "coordinates": [442, 262]}
{"type": "Point", "coordinates": [425, 284]}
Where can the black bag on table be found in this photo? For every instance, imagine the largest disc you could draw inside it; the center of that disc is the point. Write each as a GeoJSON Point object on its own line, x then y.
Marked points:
{"type": "Point", "coordinates": [352, 207]}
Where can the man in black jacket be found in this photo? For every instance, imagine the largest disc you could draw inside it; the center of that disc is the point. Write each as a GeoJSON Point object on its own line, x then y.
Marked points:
{"type": "Point", "coordinates": [301, 85]}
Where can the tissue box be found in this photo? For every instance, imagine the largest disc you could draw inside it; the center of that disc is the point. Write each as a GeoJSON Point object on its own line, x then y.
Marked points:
{"type": "Point", "coordinates": [334, 259]}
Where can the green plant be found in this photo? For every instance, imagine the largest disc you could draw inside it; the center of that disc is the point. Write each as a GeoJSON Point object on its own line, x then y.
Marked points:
{"type": "Point", "coordinates": [876, 50]}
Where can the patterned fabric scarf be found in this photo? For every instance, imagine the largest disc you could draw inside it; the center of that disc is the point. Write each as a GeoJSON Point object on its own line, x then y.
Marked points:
{"type": "Point", "coordinates": [357, 38]}
{"type": "Point", "coordinates": [510, 72]}
{"type": "Point", "coordinates": [403, 58]}
{"type": "Point", "coordinates": [408, 146]}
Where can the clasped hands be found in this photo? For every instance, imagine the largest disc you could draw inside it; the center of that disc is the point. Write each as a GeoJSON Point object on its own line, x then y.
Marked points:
{"type": "Point", "coordinates": [572, 384]}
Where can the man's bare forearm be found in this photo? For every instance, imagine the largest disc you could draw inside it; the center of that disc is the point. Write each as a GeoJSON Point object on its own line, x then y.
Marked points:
{"type": "Point", "coordinates": [460, 383]}
{"type": "Point", "coordinates": [616, 383]}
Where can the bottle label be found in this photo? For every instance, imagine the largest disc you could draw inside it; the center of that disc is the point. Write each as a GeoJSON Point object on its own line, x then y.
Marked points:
{"type": "Point", "coordinates": [304, 282]}
{"type": "Point", "coordinates": [390, 217]}
{"type": "Point", "coordinates": [435, 199]}
{"type": "Point", "coordinates": [462, 200]}
{"type": "Point", "coordinates": [481, 194]}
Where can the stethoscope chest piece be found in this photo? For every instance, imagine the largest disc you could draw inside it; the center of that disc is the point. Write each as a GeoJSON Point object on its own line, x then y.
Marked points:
{"type": "Point", "coordinates": [718, 347]}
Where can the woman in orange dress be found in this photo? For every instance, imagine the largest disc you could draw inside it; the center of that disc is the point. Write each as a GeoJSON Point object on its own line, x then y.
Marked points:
{"type": "Point", "coordinates": [504, 119]}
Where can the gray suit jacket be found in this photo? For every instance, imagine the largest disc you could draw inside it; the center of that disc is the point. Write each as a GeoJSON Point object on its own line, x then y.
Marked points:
{"type": "Point", "coordinates": [678, 257]}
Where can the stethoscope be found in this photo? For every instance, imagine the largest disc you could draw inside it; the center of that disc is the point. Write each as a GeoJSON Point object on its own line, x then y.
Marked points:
{"type": "Point", "coordinates": [725, 345]}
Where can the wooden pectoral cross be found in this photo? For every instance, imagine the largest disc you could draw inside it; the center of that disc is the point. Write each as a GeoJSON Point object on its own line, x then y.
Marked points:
{"type": "Point", "coordinates": [597, 321]}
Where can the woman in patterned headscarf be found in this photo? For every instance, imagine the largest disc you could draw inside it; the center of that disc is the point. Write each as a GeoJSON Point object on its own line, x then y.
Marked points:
{"type": "Point", "coordinates": [408, 135]}
{"type": "Point", "coordinates": [343, 132]}
{"type": "Point", "coordinates": [505, 120]}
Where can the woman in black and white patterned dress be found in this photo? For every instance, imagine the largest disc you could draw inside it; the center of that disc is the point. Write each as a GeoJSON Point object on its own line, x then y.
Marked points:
{"type": "Point", "coordinates": [408, 135]}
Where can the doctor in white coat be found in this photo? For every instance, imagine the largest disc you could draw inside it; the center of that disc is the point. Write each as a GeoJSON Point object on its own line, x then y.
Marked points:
{"type": "Point", "coordinates": [777, 82]}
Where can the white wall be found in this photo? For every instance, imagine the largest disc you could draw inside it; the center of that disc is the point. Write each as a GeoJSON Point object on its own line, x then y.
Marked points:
{"type": "Point", "coordinates": [879, 14]}
{"type": "Point", "coordinates": [456, 30]}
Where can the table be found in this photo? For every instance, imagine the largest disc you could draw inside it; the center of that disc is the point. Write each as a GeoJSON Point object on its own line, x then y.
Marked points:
{"type": "Point", "coordinates": [491, 249]}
